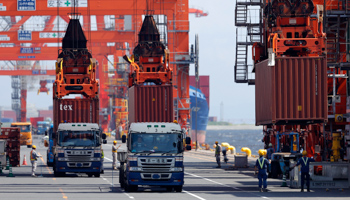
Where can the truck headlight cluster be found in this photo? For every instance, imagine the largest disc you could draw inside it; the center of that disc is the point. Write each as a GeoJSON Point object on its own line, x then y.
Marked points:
{"type": "Point", "coordinates": [176, 169]}
{"type": "Point", "coordinates": [62, 159]}
{"type": "Point", "coordinates": [95, 159]}
{"type": "Point", "coordinates": [135, 169]}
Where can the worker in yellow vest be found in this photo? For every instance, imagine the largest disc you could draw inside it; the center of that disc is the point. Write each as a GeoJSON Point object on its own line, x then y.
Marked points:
{"type": "Point", "coordinates": [114, 153]}
{"type": "Point", "coordinates": [34, 159]}
{"type": "Point", "coordinates": [261, 166]}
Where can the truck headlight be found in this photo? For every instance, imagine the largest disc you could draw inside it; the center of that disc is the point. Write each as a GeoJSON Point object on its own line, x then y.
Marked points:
{"type": "Point", "coordinates": [62, 159]}
{"type": "Point", "coordinates": [95, 159]}
{"type": "Point", "coordinates": [176, 169]}
{"type": "Point", "coordinates": [179, 158]}
{"type": "Point", "coordinates": [135, 169]}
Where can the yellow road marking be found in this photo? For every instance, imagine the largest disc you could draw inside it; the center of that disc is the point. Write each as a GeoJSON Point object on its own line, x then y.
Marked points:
{"type": "Point", "coordinates": [48, 169]}
{"type": "Point", "coordinates": [63, 195]}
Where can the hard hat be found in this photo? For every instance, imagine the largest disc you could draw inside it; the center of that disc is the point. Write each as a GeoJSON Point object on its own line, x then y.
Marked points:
{"type": "Point", "coordinates": [261, 152]}
{"type": "Point", "coordinates": [270, 145]}
{"type": "Point", "coordinates": [175, 121]}
{"type": "Point", "coordinates": [216, 142]}
{"type": "Point", "coordinates": [34, 147]}
{"type": "Point", "coordinates": [304, 153]}
{"type": "Point", "coordinates": [115, 142]}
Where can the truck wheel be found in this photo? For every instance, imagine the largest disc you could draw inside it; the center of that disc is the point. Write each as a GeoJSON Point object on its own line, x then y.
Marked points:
{"type": "Point", "coordinates": [29, 146]}
{"type": "Point", "coordinates": [169, 189]}
{"type": "Point", "coordinates": [89, 174]}
{"type": "Point", "coordinates": [178, 188]}
{"type": "Point", "coordinates": [59, 174]}
{"type": "Point", "coordinates": [98, 174]}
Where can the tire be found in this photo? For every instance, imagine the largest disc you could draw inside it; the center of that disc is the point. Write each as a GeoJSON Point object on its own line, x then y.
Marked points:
{"type": "Point", "coordinates": [169, 188]}
{"type": "Point", "coordinates": [59, 174]}
{"type": "Point", "coordinates": [98, 174]}
{"type": "Point", "coordinates": [89, 174]}
{"type": "Point", "coordinates": [178, 188]}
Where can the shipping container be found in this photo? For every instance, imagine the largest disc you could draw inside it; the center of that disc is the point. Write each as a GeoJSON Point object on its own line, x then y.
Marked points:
{"type": "Point", "coordinates": [151, 103]}
{"type": "Point", "coordinates": [46, 114]}
{"type": "Point", "coordinates": [75, 110]}
{"type": "Point", "coordinates": [292, 91]}
{"type": "Point", "coordinates": [13, 146]}
{"type": "Point", "coordinates": [35, 120]}
{"type": "Point", "coordinates": [9, 114]}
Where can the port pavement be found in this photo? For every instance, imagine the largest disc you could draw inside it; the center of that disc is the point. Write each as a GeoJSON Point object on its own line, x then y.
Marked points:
{"type": "Point", "coordinates": [202, 181]}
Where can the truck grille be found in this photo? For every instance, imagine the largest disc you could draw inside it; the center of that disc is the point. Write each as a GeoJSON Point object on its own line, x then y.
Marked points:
{"type": "Point", "coordinates": [84, 164]}
{"type": "Point", "coordinates": [79, 152]}
{"type": "Point", "coordinates": [78, 159]}
{"type": "Point", "coordinates": [156, 164]}
{"type": "Point", "coordinates": [156, 176]}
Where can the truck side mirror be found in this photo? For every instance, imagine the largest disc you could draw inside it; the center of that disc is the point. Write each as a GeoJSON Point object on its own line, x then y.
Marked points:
{"type": "Point", "coordinates": [104, 141]}
{"type": "Point", "coordinates": [188, 148]}
{"type": "Point", "coordinates": [188, 140]}
{"type": "Point", "coordinates": [104, 136]}
{"type": "Point", "coordinates": [124, 139]}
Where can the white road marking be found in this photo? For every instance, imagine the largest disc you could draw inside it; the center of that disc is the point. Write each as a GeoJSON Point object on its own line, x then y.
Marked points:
{"type": "Point", "coordinates": [189, 193]}
{"type": "Point", "coordinates": [108, 158]}
{"type": "Point", "coordinates": [130, 197]}
{"type": "Point", "coordinates": [224, 185]}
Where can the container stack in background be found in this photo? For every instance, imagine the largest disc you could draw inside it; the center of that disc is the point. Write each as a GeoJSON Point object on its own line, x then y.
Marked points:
{"type": "Point", "coordinates": [13, 147]}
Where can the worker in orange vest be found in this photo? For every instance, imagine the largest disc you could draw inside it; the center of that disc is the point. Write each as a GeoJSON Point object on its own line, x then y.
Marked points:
{"type": "Point", "coordinates": [34, 159]}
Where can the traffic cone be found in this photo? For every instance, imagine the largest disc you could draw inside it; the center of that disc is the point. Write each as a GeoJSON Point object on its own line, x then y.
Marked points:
{"type": "Point", "coordinates": [7, 163]}
{"type": "Point", "coordinates": [24, 160]}
{"type": "Point", "coordinates": [284, 181]}
{"type": "Point", "coordinates": [10, 173]}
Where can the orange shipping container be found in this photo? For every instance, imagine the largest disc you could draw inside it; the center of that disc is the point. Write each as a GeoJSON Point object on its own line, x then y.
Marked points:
{"type": "Point", "coordinates": [75, 110]}
{"type": "Point", "coordinates": [151, 103]}
{"type": "Point", "coordinates": [292, 91]}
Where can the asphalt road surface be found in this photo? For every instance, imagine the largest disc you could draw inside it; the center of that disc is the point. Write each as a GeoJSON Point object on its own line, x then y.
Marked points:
{"type": "Point", "coordinates": [202, 182]}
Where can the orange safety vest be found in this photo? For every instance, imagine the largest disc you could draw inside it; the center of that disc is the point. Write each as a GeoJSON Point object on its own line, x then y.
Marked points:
{"type": "Point", "coordinates": [31, 156]}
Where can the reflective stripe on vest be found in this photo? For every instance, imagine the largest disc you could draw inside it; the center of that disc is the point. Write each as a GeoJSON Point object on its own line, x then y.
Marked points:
{"type": "Point", "coordinates": [261, 163]}
{"type": "Point", "coordinates": [305, 161]}
{"type": "Point", "coordinates": [31, 156]}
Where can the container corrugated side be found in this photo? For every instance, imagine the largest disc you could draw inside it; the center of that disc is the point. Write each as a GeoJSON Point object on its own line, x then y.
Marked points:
{"type": "Point", "coordinates": [293, 91]}
{"type": "Point", "coordinates": [151, 103]}
{"type": "Point", "coordinates": [75, 110]}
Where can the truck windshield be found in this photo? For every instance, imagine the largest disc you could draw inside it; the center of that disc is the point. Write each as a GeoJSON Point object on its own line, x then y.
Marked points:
{"type": "Point", "coordinates": [78, 138]}
{"type": "Point", "coordinates": [24, 128]}
{"type": "Point", "coordinates": [156, 143]}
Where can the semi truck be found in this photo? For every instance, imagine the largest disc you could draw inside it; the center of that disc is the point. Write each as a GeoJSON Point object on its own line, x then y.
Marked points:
{"type": "Point", "coordinates": [42, 127]}
{"type": "Point", "coordinates": [154, 156]}
{"type": "Point", "coordinates": [76, 135]}
{"type": "Point", "coordinates": [26, 132]}
{"type": "Point", "coordinates": [78, 149]}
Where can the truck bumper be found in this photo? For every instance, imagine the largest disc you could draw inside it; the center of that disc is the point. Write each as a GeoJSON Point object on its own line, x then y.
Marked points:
{"type": "Point", "coordinates": [95, 167]}
{"type": "Point", "coordinates": [138, 178]}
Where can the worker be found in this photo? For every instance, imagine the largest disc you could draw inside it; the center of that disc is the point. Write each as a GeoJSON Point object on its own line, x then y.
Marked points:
{"type": "Point", "coordinates": [114, 153]}
{"type": "Point", "coordinates": [224, 152]}
{"type": "Point", "coordinates": [34, 159]}
{"type": "Point", "coordinates": [262, 165]}
{"type": "Point", "coordinates": [270, 151]}
{"type": "Point", "coordinates": [217, 154]}
{"type": "Point", "coordinates": [305, 163]}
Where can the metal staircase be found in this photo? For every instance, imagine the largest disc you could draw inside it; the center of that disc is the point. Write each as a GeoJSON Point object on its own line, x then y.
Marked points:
{"type": "Point", "coordinates": [336, 30]}
{"type": "Point", "coordinates": [248, 32]}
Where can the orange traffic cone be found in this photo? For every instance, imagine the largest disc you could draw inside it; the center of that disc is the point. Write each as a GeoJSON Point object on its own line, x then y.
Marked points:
{"type": "Point", "coordinates": [24, 160]}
